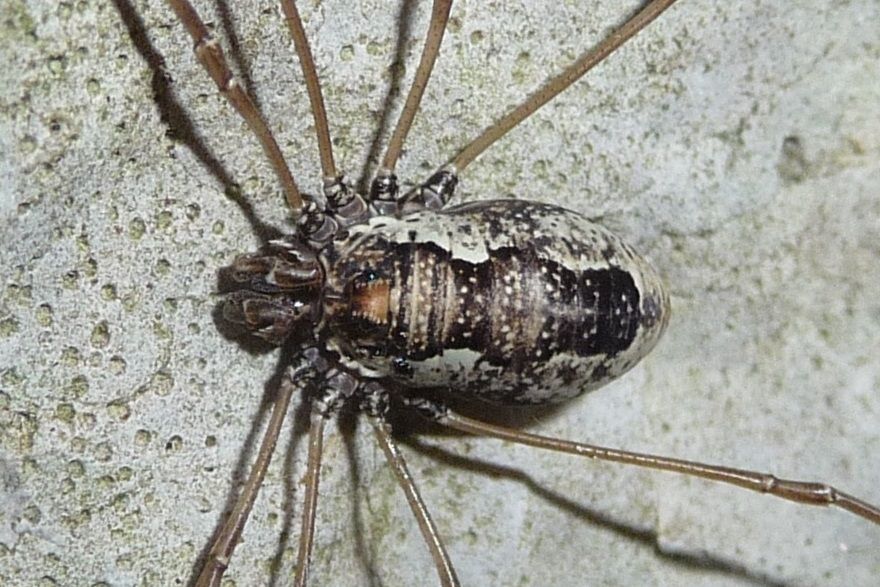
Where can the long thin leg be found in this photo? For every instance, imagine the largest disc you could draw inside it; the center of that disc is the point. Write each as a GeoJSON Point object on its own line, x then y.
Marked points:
{"type": "Point", "coordinates": [438, 552]}
{"type": "Point", "coordinates": [559, 83]}
{"type": "Point", "coordinates": [440, 187]}
{"type": "Point", "coordinates": [338, 387]}
{"type": "Point", "coordinates": [225, 543]}
{"type": "Point", "coordinates": [210, 54]}
{"type": "Point", "coordinates": [384, 188]}
{"type": "Point", "coordinates": [439, 18]}
{"type": "Point", "coordinates": [307, 62]}
{"type": "Point", "coordinates": [798, 491]}
{"type": "Point", "coordinates": [347, 206]}
{"type": "Point", "coordinates": [310, 500]}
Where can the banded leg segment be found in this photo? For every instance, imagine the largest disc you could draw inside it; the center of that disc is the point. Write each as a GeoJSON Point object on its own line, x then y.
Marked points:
{"type": "Point", "coordinates": [210, 54]}
{"type": "Point", "coordinates": [803, 492]}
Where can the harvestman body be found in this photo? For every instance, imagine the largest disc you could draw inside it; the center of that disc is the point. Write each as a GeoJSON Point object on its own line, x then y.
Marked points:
{"type": "Point", "coordinates": [384, 294]}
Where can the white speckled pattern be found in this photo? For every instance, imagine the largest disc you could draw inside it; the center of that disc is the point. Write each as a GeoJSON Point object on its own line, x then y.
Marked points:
{"type": "Point", "coordinates": [737, 144]}
{"type": "Point", "coordinates": [508, 335]}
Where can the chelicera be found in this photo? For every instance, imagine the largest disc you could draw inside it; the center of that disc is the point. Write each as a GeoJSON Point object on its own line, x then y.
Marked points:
{"type": "Point", "coordinates": [384, 295]}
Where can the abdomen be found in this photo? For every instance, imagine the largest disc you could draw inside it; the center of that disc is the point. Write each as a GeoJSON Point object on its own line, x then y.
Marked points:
{"type": "Point", "coordinates": [507, 301]}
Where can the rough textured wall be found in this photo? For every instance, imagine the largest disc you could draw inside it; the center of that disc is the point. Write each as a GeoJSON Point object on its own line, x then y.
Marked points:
{"type": "Point", "coordinates": [734, 143]}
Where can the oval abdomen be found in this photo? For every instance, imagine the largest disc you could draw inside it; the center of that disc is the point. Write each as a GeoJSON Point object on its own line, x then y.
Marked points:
{"type": "Point", "coordinates": [508, 301]}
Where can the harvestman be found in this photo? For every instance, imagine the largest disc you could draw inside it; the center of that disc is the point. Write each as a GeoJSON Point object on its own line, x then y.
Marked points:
{"type": "Point", "coordinates": [319, 221]}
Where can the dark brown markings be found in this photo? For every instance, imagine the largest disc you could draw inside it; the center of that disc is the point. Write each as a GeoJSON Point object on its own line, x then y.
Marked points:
{"type": "Point", "coordinates": [612, 315]}
{"type": "Point", "coordinates": [515, 308]}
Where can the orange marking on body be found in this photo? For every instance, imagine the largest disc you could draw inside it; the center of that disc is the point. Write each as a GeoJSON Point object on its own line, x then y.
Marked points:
{"type": "Point", "coordinates": [370, 301]}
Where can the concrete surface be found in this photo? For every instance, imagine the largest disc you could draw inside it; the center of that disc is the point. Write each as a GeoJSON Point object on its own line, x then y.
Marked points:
{"type": "Point", "coordinates": [737, 144]}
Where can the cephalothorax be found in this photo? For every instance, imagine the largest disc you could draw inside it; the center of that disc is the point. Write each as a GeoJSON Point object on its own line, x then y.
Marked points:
{"type": "Point", "coordinates": [385, 294]}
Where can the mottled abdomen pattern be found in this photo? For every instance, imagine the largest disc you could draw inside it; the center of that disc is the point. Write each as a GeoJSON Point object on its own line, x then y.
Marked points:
{"type": "Point", "coordinates": [506, 300]}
